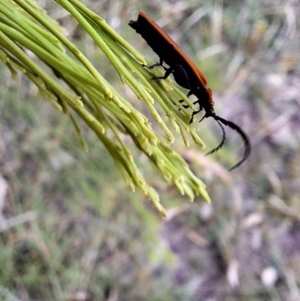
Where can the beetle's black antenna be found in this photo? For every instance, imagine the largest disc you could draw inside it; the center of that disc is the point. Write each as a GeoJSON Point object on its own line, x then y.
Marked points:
{"type": "Point", "coordinates": [246, 140]}
{"type": "Point", "coordinates": [223, 138]}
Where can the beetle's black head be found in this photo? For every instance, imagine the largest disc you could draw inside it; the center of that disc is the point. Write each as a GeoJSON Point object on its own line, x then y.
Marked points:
{"type": "Point", "coordinates": [210, 112]}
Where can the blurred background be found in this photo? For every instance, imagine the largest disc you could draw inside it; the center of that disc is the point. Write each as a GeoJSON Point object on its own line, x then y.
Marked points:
{"type": "Point", "coordinates": [70, 229]}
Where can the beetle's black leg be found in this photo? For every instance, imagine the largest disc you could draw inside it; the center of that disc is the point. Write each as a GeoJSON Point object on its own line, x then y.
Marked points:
{"type": "Point", "coordinates": [160, 63]}
{"type": "Point", "coordinates": [185, 106]}
{"type": "Point", "coordinates": [168, 72]}
{"type": "Point", "coordinates": [155, 65]}
{"type": "Point", "coordinates": [196, 111]}
{"type": "Point", "coordinates": [194, 103]}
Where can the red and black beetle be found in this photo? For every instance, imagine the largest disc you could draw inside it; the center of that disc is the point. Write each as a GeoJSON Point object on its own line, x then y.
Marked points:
{"type": "Point", "coordinates": [186, 74]}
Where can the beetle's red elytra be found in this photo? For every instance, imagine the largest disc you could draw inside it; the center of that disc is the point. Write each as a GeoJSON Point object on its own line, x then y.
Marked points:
{"type": "Point", "coordinates": [187, 75]}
